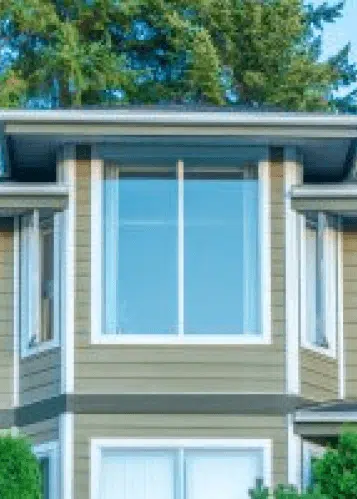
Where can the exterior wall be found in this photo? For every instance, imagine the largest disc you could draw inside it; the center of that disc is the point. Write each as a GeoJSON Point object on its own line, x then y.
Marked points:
{"type": "Point", "coordinates": [350, 310]}
{"type": "Point", "coordinates": [41, 432]}
{"type": "Point", "coordinates": [6, 315]}
{"type": "Point", "coordinates": [191, 368]}
{"type": "Point", "coordinates": [40, 376]}
{"type": "Point", "coordinates": [319, 376]}
{"type": "Point", "coordinates": [184, 426]}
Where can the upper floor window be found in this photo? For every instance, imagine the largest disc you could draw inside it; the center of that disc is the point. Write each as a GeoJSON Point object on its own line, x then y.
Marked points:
{"type": "Point", "coordinates": [39, 281]}
{"type": "Point", "coordinates": [320, 282]}
{"type": "Point", "coordinates": [182, 252]}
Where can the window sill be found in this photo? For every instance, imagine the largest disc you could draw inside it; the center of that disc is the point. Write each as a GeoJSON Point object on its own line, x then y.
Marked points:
{"type": "Point", "coordinates": [38, 349]}
{"type": "Point", "coordinates": [242, 339]}
{"type": "Point", "coordinates": [327, 352]}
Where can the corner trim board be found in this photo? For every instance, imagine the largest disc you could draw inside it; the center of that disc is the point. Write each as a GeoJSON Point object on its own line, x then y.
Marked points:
{"type": "Point", "coordinates": [16, 323]}
{"type": "Point", "coordinates": [67, 365]}
{"type": "Point", "coordinates": [291, 173]}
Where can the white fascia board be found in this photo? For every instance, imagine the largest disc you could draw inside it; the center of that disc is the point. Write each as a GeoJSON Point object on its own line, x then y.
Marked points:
{"type": "Point", "coordinates": [309, 191]}
{"type": "Point", "coordinates": [326, 417]}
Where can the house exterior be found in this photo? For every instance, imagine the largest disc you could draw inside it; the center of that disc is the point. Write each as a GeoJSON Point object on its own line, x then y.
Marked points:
{"type": "Point", "coordinates": [178, 296]}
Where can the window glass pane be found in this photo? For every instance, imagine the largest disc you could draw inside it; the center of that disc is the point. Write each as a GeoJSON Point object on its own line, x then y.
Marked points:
{"type": "Point", "coordinates": [222, 474]}
{"type": "Point", "coordinates": [221, 254]}
{"type": "Point", "coordinates": [45, 476]}
{"type": "Point", "coordinates": [140, 255]}
{"type": "Point", "coordinates": [311, 280]}
{"type": "Point", "coordinates": [25, 280]}
{"type": "Point", "coordinates": [47, 278]}
{"type": "Point", "coordinates": [332, 285]}
{"type": "Point", "coordinates": [137, 475]}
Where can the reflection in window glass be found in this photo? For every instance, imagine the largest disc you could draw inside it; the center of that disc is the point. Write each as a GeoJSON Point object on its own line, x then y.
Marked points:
{"type": "Point", "coordinates": [47, 278]}
{"type": "Point", "coordinates": [181, 250]}
{"type": "Point", "coordinates": [140, 234]}
{"type": "Point", "coordinates": [45, 476]}
{"type": "Point", "coordinates": [222, 257]}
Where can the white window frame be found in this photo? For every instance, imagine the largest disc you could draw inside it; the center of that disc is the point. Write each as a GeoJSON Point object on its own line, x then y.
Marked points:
{"type": "Point", "coordinates": [331, 330]}
{"type": "Point", "coordinates": [309, 451]}
{"type": "Point", "coordinates": [99, 444]}
{"type": "Point", "coordinates": [99, 337]}
{"type": "Point", "coordinates": [50, 450]}
{"type": "Point", "coordinates": [31, 233]}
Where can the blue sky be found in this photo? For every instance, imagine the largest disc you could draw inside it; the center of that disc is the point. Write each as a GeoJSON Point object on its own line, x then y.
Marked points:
{"type": "Point", "coordinates": [343, 31]}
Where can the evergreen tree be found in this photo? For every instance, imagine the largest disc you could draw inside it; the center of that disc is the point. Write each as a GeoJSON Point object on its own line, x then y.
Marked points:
{"type": "Point", "coordinates": [64, 53]}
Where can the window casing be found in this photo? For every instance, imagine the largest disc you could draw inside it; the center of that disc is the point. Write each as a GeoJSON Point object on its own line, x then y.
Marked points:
{"type": "Point", "coordinates": [176, 469]}
{"type": "Point", "coordinates": [40, 286]}
{"type": "Point", "coordinates": [187, 247]}
{"type": "Point", "coordinates": [319, 283]}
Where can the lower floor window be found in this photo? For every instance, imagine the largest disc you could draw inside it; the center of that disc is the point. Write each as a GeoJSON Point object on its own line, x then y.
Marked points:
{"type": "Point", "coordinates": [182, 472]}
{"type": "Point", "coordinates": [47, 455]}
{"type": "Point", "coordinates": [311, 452]}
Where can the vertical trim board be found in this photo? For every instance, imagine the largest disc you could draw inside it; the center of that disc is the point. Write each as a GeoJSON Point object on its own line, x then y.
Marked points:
{"type": "Point", "coordinates": [291, 174]}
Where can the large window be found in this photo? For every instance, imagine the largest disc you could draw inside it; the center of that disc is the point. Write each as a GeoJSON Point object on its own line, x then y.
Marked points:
{"type": "Point", "coordinates": [182, 251]}
{"type": "Point", "coordinates": [40, 256]}
{"type": "Point", "coordinates": [320, 282]}
{"type": "Point", "coordinates": [169, 470]}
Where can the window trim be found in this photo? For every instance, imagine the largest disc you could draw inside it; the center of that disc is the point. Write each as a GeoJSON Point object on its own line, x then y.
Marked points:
{"type": "Point", "coordinates": [50, 450]}
{"type": "Point", "coordinates": [98, 337]}
{"type": "Point", "coordinates": [32, 235]}
{"type": "Point", "coordinates": [330, 332]}
{"type": "Point", "coordinates": [98, 444]}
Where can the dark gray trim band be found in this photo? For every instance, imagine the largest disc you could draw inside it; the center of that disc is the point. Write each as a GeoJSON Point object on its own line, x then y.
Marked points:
{"type": "Point", "coordinates": [40, 411]}
{"type": "Point", "coordinates": [262, 404]}
{"type": "Point", "coordinates": [271, 404]}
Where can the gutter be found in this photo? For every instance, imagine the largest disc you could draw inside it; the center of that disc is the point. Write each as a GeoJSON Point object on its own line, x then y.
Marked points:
{"type": "Point", "coordinates": [155, 117]}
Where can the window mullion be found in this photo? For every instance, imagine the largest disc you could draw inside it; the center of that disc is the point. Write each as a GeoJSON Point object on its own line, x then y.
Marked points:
{"type": "Point", "coordinates": [181, 247]}
{"type": "Point", "coordinates": [35, 252]}
{"type": "Point", "coordinates": [181, 475]}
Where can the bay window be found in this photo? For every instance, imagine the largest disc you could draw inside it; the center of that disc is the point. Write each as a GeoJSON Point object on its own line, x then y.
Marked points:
{"type": "Point", "coordinates": [40, 252]}
{"type": "Point", "coordinates": [182, 251]}
{"type": "Point", "coordinates": [178, 470]}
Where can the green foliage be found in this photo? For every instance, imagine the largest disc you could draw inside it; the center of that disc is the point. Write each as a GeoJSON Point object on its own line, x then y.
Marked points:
{"type": "Point", "coordinates": [336, 471]}
{"type": "Point", "coordinates": [267, 52]}
{"type": "Point", "coordinates": [19, 470]}
{"type": "Point", "coordinates": [335, 474]}
{"type": "Point", "coordinates": [284, 492]}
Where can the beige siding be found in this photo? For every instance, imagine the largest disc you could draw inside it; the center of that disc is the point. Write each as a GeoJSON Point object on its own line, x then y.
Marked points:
{"type": "Point", "coordinates": [319, 376]}
{"type": "Point", "coordinates": [40, 376]}
{"type": "Point", "coordinates": [41, 432]}
{"type": "Point", "coordinates": [87, 427]}
{"type": "Point", "coordinates": [6, 316]}
{"type": "Point", "coordinates": [128, 368]}
{"type": "Point", "coordinates": [350, 310]}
